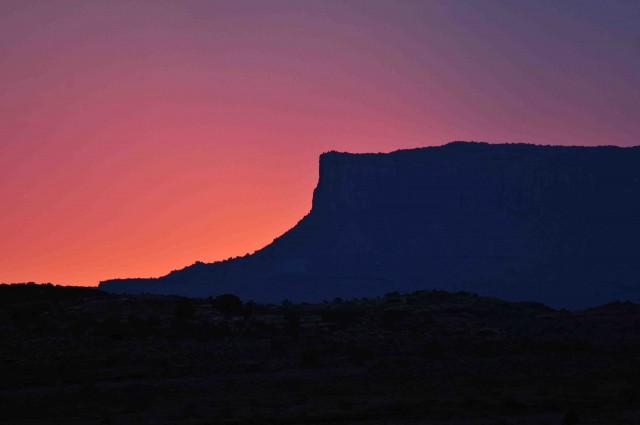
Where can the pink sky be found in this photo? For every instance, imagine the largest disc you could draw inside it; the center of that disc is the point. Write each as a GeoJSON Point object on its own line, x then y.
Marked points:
{"type": "Point", "coordinates": [140, 136]}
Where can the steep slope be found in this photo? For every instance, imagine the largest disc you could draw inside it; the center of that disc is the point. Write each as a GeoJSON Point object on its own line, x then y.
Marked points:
{"type": "Point", "coordinates": [553, 224]}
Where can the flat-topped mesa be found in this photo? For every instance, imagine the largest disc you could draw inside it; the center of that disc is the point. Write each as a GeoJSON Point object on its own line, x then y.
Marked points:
{"type": "Point", "coordinates": [343, 176]}
{"type": "Point", "coordinates": [553, 224]}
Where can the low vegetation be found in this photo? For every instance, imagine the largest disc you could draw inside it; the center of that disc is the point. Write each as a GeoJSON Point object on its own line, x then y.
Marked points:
{"type": "Point", "coordinates": [82, 356]}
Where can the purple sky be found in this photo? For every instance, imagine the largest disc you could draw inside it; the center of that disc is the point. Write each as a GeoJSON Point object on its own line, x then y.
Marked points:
{"type": "Point", "coordinates": [140, 136]}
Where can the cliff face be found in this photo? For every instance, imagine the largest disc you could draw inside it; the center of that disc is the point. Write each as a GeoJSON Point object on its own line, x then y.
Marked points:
{"type": "Point", "coordinates": [558, 225]}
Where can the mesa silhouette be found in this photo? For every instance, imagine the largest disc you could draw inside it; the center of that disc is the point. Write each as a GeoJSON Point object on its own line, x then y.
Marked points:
{"type": "Point", "coordinates": [553, 224]}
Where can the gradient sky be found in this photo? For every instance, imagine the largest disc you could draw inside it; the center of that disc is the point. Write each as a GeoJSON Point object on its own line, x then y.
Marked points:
{"type": "Point", "coordinates": [137, 137]}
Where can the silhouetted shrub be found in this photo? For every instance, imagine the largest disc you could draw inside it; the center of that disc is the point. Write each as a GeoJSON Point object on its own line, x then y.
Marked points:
{"type": "Point", "coordinates": [511, 402]}
{"type": "Point", "coordinates": [228, 304]}
{"type": "Point", "coordinates": [359, 355]}
{"type": "Point", "coordinates": [113, 329]}
{"type": "Point", "coordinates": [341, 317]}
{"type": "Point", "coordinates": [190, 411]}
{"type": "Point", "coordinates": [249, 306]}
{"type": "Point", "coordinates": [433, 351]}
{"type": "Point", "coordinates": [184, 309]}
{"type": "Point", "coordinates": [486, 349]}
{"type": "Point", "coordinates": [277, 345]}
{"type": "Point", "coordinates": [286, 303]}
{"type": "Point", "coordinates": [310, 358]}
{"type": "Point", "coordinates": [293, 322]}
{"type": "Point", "coordinates": [343, 404]}
{"type": "Point", "coordinates": [571, 418]}
{"type": "Point", "coordinates": [391, 318]}
{"type": "Point", "coordinates": [141, 328]}
{"type": "Point", "coordinates": [81, 327]}
{"type": "Point", "coordinates": [220, 330]}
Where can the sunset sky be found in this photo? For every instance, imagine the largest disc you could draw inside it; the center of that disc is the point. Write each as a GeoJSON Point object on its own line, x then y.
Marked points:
{"type": "Point", "coordinates": [140, 136]}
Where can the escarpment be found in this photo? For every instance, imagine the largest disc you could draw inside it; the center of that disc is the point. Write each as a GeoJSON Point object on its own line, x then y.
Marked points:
{"type": "Point", "coordinates": [559, 225]}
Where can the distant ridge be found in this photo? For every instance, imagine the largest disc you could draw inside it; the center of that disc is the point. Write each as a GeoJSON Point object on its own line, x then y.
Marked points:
{"type": "Point", "coordinates": [554, 224]}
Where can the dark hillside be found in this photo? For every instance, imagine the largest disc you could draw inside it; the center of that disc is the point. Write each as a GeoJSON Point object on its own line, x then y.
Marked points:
{"type": "Point", "coordinates": [429, 357]}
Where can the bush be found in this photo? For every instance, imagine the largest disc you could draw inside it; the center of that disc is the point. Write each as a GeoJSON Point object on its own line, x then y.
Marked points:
{"type": "Point", "coordinates": [184, 309]}
{"type": "Point", "coordinates": [571, 418]}
{"type": "Point", "coordinates": [228, 304]}
{"type": "Point", "coordinates": [310, 358]}
{"type": "Point", "coordinates": [293, 322]}
{"type": "Point", "coordinates": [341, 317]}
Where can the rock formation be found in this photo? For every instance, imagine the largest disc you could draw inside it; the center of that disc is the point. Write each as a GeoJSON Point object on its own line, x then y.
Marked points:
{"type": "Point", "coordinates": [559, 225]}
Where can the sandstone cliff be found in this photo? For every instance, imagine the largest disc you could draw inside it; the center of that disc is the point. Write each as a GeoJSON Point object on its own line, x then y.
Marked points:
{"type": "Point", "coordinates": [553, 224]}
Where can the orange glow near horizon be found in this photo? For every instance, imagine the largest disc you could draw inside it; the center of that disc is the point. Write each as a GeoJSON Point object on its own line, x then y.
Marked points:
{"type": "Point", "coordinates": [139, 137]}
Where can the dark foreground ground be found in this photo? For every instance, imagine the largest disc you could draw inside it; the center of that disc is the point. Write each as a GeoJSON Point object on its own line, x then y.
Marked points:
{"type": "Point", "coordinates": [80, 356]}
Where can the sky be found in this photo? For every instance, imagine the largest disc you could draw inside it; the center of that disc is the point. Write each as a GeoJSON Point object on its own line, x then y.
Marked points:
{"type": "Point", "coordinates": [137, 137]}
